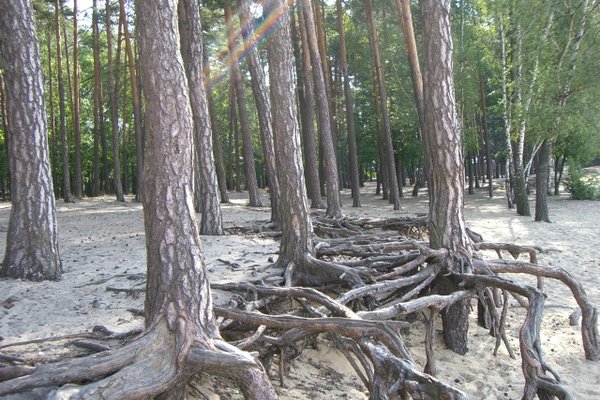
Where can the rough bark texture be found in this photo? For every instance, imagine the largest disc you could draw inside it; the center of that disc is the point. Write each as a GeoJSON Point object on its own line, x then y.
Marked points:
{"type": "Point", "coordinates": [388, 152]}
{"type": "Point", "coordinates": [324, 117]}
{"type": "Point", "coordinates": [113, 90]}
{"type": "Point", "coordinates": [66, 179]}
{"type": "Point", "coordinates": [32, 244]}
{"type": "Point", "coordinates": [238, 84]}
{"type": "Point", "coordinates": [443, 156]}
{"type": "Point", "coordinates": [352, 151]}
{"type": "Point", "coordinates": [191, 51]}
{"type": "Point", "coordinates": [308, 117]}
{"type": "Point", "coordinates": [263, 105]}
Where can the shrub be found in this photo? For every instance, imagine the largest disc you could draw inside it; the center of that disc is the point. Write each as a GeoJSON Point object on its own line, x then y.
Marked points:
{"type": "Point", "coordinates": [580, 186]}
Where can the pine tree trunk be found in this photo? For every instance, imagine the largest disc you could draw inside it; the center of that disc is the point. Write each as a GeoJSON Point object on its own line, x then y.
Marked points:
{"type": "Point", "coordinates": [308, 115]}
{"type": "Point", "coordinates": [510, 167]}
{"type": "Point", "coordinates": [5, 169]}
{"type": "Point", "coordinates": [486, 137]}
{"type": "Point", "coordinates": [190, 29]}
{"type": "Point", "coordinates": [52, 132]}
{"type": "Point", "coordinates": [541, 182]}
{"type": "Point", "coordinates": [66, 179]}
{"type": "Point", "coordinates": [32, 244]}
{"type": "Point", "coordinates": [137, 104]}
{"type": "Point", "coordinates": [392, 180]}
{"type": "Point", "coordinates": [263, 106]}
{"type": "Point", "coordinates": [236, 76]}
{"type": "Point", "coordinates": [352, 150]}
{"type": "Point", "coordinates": [443, 157]}
{"type": "Point", "coordinates": [98, 112]}
{"type": "Point", "coordinates": [76, 120]}
{"type": "Point", "coordinates": [113, 90]}
{"type": "Point", "coordinates": [323, 118]}
{"type": "Point", "coordinates": [296, 239]}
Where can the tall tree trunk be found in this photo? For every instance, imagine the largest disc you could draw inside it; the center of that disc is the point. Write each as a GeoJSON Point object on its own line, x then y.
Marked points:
{"type": "Point", "coordinates": [190, 29]}
{"type": "Point", "coordinates": [308, 115]}
{"type": "Point", "coordinates": [510, 167]}
{"type": "Point", "coordinates": [52, 120]}
{"type": "Point", "coordinates": [323, 118]}
{"type": "Point", "coordinates": [5, 168]}
{"type": "Point", "coordinates": [216, 132]}
{"type": "Point", "coordinates": [137, 104]}
{"type": "Point", "coordinates": [394, 196]}
{"type": "Point", "coordinates": [97, 95]}
{"type": "Point", "coordinates": [66, 179]}
{"type": "Point", "coordinates": [486, 136]}
{"type": "Point", "coordinates": [113, 90]}
{"type": "Point", "coordinates": [238, 84]}
{"type": "Point", "coordinates": [76, 119]}
{"type": "Point", "coordinates": [263, 106]}
{"type": "Point", "coordinates": [32, 243]}
{"type": "Point", "coordinates": [349, 103]}
{"type": "Point", "coordinates": [541, 182]}
{"type": "Point", "coordinates": [443, 157]}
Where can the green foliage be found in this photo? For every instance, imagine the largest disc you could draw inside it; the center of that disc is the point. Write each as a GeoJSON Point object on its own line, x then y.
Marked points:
{"type": "Point", "coordinates": [582, 186]}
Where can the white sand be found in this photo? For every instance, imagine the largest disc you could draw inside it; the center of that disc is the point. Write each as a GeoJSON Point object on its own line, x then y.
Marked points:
{"type": "Point", "coordinates": [100, 238]}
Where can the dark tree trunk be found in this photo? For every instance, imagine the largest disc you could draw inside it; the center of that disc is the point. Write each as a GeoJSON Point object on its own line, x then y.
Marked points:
{"type": "Point", "coordinates": [52, 132]}
{"type": "Point", "coordinates": [469, 163]}
{"type": "Point", "coordinates": [486, 136]}
{"type": "Point", "coordinates": [113, 90]}
{"type": "Point", "coordinates": [559, 165]}
{"type": "Point", "coordinates": [76, 120]}
{"type": "Point", "coordinates": [324, 117]}
{"type": "Point", "coordinates": [137, 104]}
{"type": "Point", "coordinates": [238, 84]}
{"type": "Point", "coordinates": [263, 106]}
{"type": "Point", "coordinates": [392, 180]}
{"type": "Point", "coordinates": [190, 29]}
{"type": "Point", "coordinates": [97, 182]}
{"type": "Point", "coordinates": [352, 151]}
{"type": "Point", "coordinates": [66, 179]}
{"type": "Point", "coordinates": [308, 115]}
{"type": "Point", "coordinates": [443, 157]}
{"type": "Point", "coordinates": [32, 244]}
{"type": "Point", "coordinates": [541, 182]}
{"type": "Point", "coordinates": [5, 169]}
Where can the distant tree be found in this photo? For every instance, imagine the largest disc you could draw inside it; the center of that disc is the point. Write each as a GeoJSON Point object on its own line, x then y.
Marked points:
{"type": "Point", "coordinates": [77, 184]}
{"type": "Point", "coordinates": [32, 244]}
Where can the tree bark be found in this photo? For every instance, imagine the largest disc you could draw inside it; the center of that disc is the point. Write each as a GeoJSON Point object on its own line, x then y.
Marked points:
{"type": "Point", "coordinates": [541, 182]}
{"type": "Point", "coordinates": [236, 76]}
{"type": "Point", "coordinates": [5, 168]}
{"type": "Point", "coordinates": [349, 103]}
{"type": "Point", "coordinates": [137, 104]}
{"type": "Point", "coordinates": [510, 166]}
{"type": "Point", "coordinates": [263, 106]}
{"type": "Point", "coordinates": [113, 90]}
{"type": "Point", "coordinates": [52, 132]}
{"type": "Point", "coordinates": [392, 179]}
{"type": "Point", "coordinates": [443, 157]}
{"type": "Point", "coordinates": [190, 29]}
{"type": "Point", "coordinates": [323, 117]}
{"type": "Point", "coordinates": [486, 136]}
{"type": "Point", "coordinates": [76, 119]}
{"type": "Point", "coordinates": [308, 115]}
{"type": "Point", "coordinates": [66, 179]}
{"type": "Point", "coordinates": [98, 109]}
{"type": "Point", "coordinates": [32, 244]}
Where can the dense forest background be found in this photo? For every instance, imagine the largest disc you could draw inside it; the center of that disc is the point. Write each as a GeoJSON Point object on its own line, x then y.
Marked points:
{"type": "Point", "coordinates": [524, 70]}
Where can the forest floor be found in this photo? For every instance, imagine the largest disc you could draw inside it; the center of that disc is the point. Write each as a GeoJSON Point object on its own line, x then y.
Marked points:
{"type": "Point", "coordinates": [102, 246]}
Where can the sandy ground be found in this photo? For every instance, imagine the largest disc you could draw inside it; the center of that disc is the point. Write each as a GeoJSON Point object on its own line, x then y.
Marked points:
{"type": "Point", "coordinates": [102, 245]}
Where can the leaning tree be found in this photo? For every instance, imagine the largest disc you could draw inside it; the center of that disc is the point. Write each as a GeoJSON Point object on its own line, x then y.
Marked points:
{"type": "Point", "coordinates": [181, 338]}
{"type": "Point", "coordinates": [32, 244]}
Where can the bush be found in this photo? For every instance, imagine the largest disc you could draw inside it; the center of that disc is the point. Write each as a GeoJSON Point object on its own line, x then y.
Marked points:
{"type": "Point", "coordinates": [580, 186]}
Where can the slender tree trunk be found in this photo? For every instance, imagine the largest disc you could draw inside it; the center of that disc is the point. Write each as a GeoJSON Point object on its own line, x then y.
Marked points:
{"type": "Point", "coordinates": [66, 179]}
{"type": "Point", "coordinates": [510, 167]}
{"type": "Point", "coordinates": [32, 243]}
{"type": "Point", "coordinates": [97, 95]}
{"type": "Point", "coordinates": [5, 168]}
{"type": "Point", "coordinates": [263, 106]}
{"type": "Point", "coordinates": [308, 115]}
{"type": "Point", "coordinates": [443, 157]}
{"type": "Point", "coordinates": [76, 120]}
{"type": "Point", "coordinates": [486, 136]}
{"type": "Point", "coordinates": [394, 196]}
{"type": "Point", "coordinates": [236, 76]}
{"type": "Point", "coordinates": [137, 104]}
{"type": "Point", "coordinates": [324, 118]}
{"type": "Point", "coordinates": [541, 182]}
{"type": "Point", "coordinates": [52, 120]}
{"type": "Point", "coordinates": [469, 164]}
{"type": "Point", "coordinates": [352, 150]}
{"type": "Point", "coordinates": [190, 29]}
{"type": "Point", "coordinates": [113, 90]}
{"type": "Point", "coordinates": [216, 132]}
